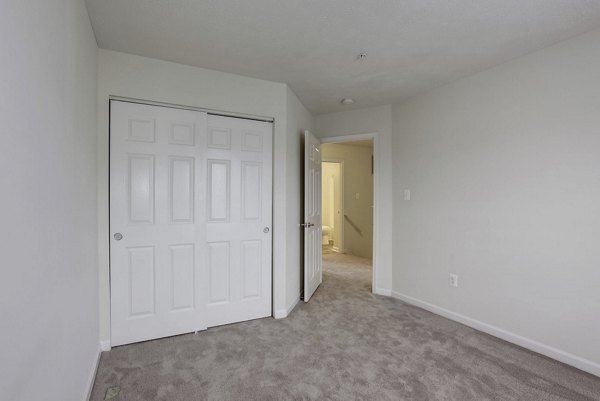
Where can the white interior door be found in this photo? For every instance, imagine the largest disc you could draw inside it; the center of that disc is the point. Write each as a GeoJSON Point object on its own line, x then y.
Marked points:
{"type": "Point", "coordinates": [157, 221]}
{"type": "Point", "coordinates": [313, 264]}
{"type": "Point", "coordinates": [239, 215]}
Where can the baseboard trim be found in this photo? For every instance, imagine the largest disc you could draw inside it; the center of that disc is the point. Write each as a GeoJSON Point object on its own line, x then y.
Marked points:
{"type": "Point", "coordinates": [105, 345]}
{"type": "Point", "coordinates": [92, 377]}
{"type": "Point", "coordinates": [386, 292]}
{"type": "Point", "coordinates": [283, 313]}
{"type": "Point", "coordinates": [536, 346]}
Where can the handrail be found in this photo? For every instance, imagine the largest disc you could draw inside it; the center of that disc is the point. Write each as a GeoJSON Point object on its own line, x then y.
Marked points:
{"type": "Point", "coordinates": [353, 224]}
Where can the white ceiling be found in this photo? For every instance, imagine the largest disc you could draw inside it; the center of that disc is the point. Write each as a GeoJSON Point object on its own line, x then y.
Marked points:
{"type": "Point", "coordinates": [312, 45]}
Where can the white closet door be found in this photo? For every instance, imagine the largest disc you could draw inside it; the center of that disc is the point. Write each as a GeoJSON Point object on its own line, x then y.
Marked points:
{"type": "Point", "coordinates": [239, 215]}
{"type": "Point", "coordinates": [157, 221]}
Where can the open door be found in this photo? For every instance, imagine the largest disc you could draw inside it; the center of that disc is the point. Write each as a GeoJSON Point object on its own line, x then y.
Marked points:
{"type": "Point", "coordinates": [313, 264]}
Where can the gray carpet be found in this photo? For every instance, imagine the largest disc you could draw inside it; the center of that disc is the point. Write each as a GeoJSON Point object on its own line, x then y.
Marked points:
{"type": "Point", "coordinates": [345, 344]}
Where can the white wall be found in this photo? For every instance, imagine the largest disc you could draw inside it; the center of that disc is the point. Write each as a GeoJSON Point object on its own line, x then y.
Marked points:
{"type": "Point", "coordinates": [49, 284]}
{"type": "Point", "coordinates": [504, 169]}
{"type": "Point", "coordinates": [298, 120]}
{"type": "Point", "coordinates": [357, 179]}
{"type": "Point", "coordinates": [121, 74]}
{"type": "Point", "coordinates": [371, 120]}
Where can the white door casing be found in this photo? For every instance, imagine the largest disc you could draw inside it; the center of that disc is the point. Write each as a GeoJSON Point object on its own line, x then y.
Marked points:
{"type": "Point", "coordinates": [313, 263]}
{"type": "Point", "coordinates": [156, 203]}
{"type": "Point", "coordinates": [191, 195]}
{"type": "Point", "coordinates": [239, 216]}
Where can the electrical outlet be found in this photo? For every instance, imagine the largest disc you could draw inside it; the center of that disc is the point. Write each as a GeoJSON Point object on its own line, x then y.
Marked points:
{"type": "Point", "coordinates": [453, 280]}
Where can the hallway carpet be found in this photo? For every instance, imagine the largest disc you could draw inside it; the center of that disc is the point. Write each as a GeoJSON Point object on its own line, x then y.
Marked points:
{"type": "Point", "coordinates": [345, 344]}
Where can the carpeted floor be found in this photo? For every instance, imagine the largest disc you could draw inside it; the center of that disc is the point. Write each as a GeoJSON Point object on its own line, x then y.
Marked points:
{"type": "Point", "coordinates": [345, 344]}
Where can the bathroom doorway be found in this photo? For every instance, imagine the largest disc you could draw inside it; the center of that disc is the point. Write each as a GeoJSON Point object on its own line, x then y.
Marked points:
{"type": "Point", "coordinates": [332, 205]}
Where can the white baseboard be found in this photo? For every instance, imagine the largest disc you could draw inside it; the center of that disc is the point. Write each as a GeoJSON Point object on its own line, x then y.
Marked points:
{"type": "Point", "coordinates": [540, 348]}
{"type": "Point", "coordinates": [105, 345]}
{"type": "Point", "coordinates": [386, 292]}
{"type": "Point", "coordinates": [283, 313]}
{"type": "Point", "coordinates": [92, 377]}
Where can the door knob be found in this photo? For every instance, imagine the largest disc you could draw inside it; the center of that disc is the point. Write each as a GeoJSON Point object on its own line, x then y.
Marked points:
{"type": "Point", "coordinates": [118, 236]}
{"type": "Point", "coordinates": [266, 230]}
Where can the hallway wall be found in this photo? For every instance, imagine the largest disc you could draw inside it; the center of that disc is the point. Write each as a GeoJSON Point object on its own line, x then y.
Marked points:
{"type": "Point", "coordinates": [298, 120]}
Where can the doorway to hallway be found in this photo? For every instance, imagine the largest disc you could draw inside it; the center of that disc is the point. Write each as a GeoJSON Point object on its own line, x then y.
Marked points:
{"type": "Point", "coordinates": [352, 202]}
{"type": "Point", "coordinates": [347, 198]}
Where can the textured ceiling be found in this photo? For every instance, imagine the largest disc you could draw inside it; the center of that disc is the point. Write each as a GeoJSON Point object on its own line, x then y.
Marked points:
{"type": "Point", "coordinates": [412, 45]}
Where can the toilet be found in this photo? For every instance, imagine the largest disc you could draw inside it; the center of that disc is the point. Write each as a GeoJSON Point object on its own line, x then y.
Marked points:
{"type": "Point", "coordinates": [326, 232]}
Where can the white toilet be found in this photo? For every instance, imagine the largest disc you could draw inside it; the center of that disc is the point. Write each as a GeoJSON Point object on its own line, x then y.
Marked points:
{"type": "Point", "coordinates": [326, 232]}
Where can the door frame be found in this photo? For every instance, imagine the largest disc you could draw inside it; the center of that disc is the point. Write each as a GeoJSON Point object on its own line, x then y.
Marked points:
{"type": "Point", "coordinates": [376, 189]}
{"type": "Point", "coordinates": [341, 247]}
{"type": "Point", "coordinates": [105, 343]}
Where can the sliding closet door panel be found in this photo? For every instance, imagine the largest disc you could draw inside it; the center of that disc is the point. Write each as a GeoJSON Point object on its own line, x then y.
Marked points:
{"type": "Point", "coordinates": [239, 215]}
{"type": "Point", "coordinates": [190, 218]}
{"type": "Point", "coordinates": [157, 221]}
